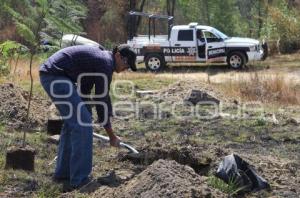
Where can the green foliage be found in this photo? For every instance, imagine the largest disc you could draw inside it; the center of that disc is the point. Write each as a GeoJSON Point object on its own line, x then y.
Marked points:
{"type": "Point", "coordinates": [191, 11]}
{"type": "Point", "coordinates": [270, 19]}
{"type": "Point", "coordinates": [8, 47]}
{"type": "Point", "coordinates": [231, 188]}
{"type": "Point", "coordinates": [224, 15]}
{"type": "Point", "coordinates": [26, 33]}
{"type": "Point", "coordinates": [283, 24]}
{"type": "Point", "coordinates": [8, 50]}
{"type": "Point", "coordinates": [65, 16]}
{"type": "Point", "coordinates": [284, 21]}
{"type": "Point", "coordinates": [254, 18]}
{"type": "Point", "coordinates": [31, 23]}
{"type": "Point", "coordinates": [45, 19]}
{"type": "Point", "coordinates": [29, 26]}
{"type": "Point", "coordinates": [261, 122]}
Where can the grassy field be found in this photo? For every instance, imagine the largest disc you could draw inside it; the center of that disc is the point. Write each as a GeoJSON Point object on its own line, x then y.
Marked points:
{"type": "Point", "coordinates": [265, 137]}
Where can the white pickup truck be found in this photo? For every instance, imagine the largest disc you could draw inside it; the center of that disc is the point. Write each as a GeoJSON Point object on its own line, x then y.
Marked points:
{"type": "Point", "coordinates": [196, 43]}
{"type": "Point", "coordinates": [184, 43]}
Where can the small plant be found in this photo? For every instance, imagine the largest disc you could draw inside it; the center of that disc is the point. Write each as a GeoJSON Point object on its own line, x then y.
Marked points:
{"type": "Point", "coordinates": [261, 122]}
{"type": "Point", "coordinates": [231, 188]}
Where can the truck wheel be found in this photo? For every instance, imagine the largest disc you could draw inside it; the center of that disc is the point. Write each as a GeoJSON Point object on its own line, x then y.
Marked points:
{"type": "Point", "coordinates": [236, 60]}
{"type": "Point", "coordinates": [154, 62]}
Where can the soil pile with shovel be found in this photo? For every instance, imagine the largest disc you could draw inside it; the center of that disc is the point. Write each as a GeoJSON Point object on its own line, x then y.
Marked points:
{"type": "Point", "coordinates": [13, 108]}
{"type": "Point", "coordinates": [164, 178]}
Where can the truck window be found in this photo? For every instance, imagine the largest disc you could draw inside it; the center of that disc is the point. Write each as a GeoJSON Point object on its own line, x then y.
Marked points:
{"type": "Point", "coordinates": [185, 35]}
{"type": "Point", "coordinates": [211, 37]}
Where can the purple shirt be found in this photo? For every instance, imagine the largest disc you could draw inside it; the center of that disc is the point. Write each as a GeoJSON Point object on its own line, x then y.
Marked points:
{"type": "Point", "coordinates": [76, 60]}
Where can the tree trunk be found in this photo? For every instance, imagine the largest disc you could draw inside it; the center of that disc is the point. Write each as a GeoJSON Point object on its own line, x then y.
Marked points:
{"type": "Point", "coordinates": [96, 10]}
{"type": "Point", "coordinates": [16, 64]}
{"type": "Point", "coordinates": [206, 11]}
{"type": "Point", "coordinates": [139, 18]}
{"type": "Point", "coordinates": [260, 19]}
{"type": "Point", "coordinates": [132, 4]}
{"type": "Point", "coordinates": [30, 95]}
{"type": "Point", "coordinates": [170, 7]}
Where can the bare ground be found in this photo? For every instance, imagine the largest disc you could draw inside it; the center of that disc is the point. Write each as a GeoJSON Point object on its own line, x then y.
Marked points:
{"type": "Point", "coordinates": [177, 156]}
{"type": "Point", "coordinates": [13, 108]}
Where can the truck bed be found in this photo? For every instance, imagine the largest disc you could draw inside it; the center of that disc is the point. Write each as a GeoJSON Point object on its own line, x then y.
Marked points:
{"type": "Point", "coordinates": [144, 40]}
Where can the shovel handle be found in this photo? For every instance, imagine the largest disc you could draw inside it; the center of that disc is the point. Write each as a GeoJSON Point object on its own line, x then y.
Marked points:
{"type": "Point", "coordinates": [106, 139]}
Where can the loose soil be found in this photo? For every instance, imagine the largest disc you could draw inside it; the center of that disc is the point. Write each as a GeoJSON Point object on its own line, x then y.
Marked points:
{"type": "Point", "coordinates": [163, 178]}
{"type": "Point", "coordinates": [13, 108]}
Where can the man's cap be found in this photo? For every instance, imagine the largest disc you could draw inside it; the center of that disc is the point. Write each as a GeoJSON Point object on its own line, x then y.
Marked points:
{"type": "Point", "coordinates": [126, 51]}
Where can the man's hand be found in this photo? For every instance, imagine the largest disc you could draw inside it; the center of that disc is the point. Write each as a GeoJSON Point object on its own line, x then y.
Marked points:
{"type": "Point", "coordinates": [113, 139]}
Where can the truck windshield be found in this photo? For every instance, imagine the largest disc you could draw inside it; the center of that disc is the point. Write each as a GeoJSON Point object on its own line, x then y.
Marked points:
{"type": "Point", "coordinates": [219, 34]}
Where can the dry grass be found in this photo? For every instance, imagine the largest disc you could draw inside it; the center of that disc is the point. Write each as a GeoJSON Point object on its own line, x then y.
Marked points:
{"type": "Point", "coordinates": [21, 71]}
{"type": "Point", "coordinates": [134, 76]}
{"type": "Point", "coordinates": [275, 89]}
{"type": "Point", "coordinates": [278, 85]}
{"type": "Point", "coordinates": [282, 61]}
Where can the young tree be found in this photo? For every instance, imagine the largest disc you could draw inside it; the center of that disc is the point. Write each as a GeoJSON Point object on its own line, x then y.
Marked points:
{"type": "Point", "coordinates": [41, 15]}
{"type": "Point", "coordinates": [30, 27]}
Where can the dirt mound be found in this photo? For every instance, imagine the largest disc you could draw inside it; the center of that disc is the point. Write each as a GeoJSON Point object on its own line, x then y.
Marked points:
{"type": "Point", "coordinates": [182, 89]}
{"type": "Point", "coordinates": [176, 99]}
{"type": "Point", "coordinates": [13, 108]}
{"type": "Point", "coordinates": [162, 179]}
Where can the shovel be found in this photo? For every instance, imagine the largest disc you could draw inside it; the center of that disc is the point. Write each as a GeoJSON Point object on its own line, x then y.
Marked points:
{"type": "Point", "coordinates": [106, 139]}
{"type": "Point", "coordinates": [132, 150]}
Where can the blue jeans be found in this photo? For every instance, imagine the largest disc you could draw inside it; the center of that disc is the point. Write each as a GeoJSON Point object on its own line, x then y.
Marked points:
{"type": "Point", "coordinates": [74, 160]}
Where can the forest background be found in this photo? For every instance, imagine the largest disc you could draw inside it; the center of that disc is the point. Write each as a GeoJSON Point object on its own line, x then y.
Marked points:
{"type": "Point", "coordinates": [106, 21]}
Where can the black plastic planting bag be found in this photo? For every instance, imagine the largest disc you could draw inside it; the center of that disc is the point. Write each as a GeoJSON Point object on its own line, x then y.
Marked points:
{"type": "Point", "coordinates": [234, 169]}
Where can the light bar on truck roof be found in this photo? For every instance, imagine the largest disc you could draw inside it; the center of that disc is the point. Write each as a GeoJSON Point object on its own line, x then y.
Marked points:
{"type": "Point", "coordinates": [134, 13]}
{"type": "Point", "coordinates": [192, 25]}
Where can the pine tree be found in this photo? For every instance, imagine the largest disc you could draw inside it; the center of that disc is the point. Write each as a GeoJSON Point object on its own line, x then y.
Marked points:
{"type": "Point", "coordinates": [38, 16]}
{"type": "Point", "coordinates": [65, 16]}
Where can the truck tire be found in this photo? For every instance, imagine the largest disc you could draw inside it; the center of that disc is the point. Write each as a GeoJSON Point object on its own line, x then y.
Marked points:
{"type": "Point", "coordinates": [154, 62]}
{"type": "Point", "coordinates": [236, 60]}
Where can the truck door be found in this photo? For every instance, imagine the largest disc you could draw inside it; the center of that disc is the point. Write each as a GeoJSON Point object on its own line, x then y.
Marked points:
{"type": "Point", "coordinates": [215, 47]}
{"type": "Point", "coordinates": [201, 46]}
{"type": "Point", "coordinates": [183, 47]}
